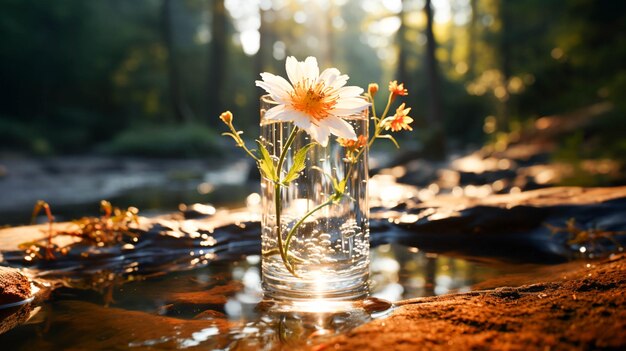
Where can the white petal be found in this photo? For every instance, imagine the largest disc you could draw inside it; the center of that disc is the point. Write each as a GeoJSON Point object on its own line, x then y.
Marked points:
{"type": "Point", "coordinates": [291, 66]}
{"type": "Point", "coordinates": [350, 91]}
{"type": "Point", "coordinates": [348, 112]}
{"type": "Point", "coordinates": [350, 108]}
{"type": "Point", "coordinates": [311, 69]}
{"type": "Point", "coordinates": [339, 127]}
{"type": "Point", "coordinates": [300, 70]}
{"type": "Point", "coordinates": [328, 76]}
{"type": "Point", "coordinates": [340, 81]}
{"type": "Point", "coordinates": [274, 112]}
{"type": "Point", "coordinates": [354, 102]}
{"type": "Point", "coordinates": [276, 93]}
{"type": "Point", "coordinates": [278, 81]}
{"type": "Point", "coordinates": [319, 133]}
{"type": "Point", "coordinates": [285, 116]}
{"type": "Point", "coordinates": [299, 119]}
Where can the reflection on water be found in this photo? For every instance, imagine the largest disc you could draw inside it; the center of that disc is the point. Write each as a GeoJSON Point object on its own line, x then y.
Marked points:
{"type": "Point", "coordinates": [401, 272]}
{"type": "Point", "coordinates": [220, 306]}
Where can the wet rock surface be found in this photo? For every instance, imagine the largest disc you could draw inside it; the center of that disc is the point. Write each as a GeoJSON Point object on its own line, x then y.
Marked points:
{"type": "Point", "coordinates": [575, 305]}
{"type": "Point", "coordinates": [512, 227]}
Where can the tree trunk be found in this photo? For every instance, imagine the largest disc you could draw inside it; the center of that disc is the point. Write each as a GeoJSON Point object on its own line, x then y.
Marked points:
{"type": "Point", "coordinates": [472, 40]}
{"type": "Point", "coordinates": [217, 58]}
{"type": "Point", "coordinates": [505, 55]}
{"type": "Point", "coordinates": [401, 74]}
{"type": "Point", "coordinates": [435, 145]}
{"type": "Point", "coordinates": [330, 35]}
{"type": "Point", "coordinates": [182, 112]}
{"type": "Point", "coordinates": [262, 54]}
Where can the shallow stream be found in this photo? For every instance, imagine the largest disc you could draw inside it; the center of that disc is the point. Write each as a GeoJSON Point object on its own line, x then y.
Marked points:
{"type": "Point", "coordinates": [201, 289]}
{"type": "Point", "coordinates": [219, 306]}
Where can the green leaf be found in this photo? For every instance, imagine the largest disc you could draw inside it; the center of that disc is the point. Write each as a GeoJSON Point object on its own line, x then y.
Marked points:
{"type": "Point", "coordinates": [299, 162]}
{"type": "Point", "coordinates": [266, 164]}
{"type": "Point", "coordinates": [390, 137]}
{"type": "Point", "coordinates": [335, 184]}
{"type": "Point", "coordinates": [340, 187]}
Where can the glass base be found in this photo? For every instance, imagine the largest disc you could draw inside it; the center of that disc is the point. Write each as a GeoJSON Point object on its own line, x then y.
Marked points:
{"type": "Point", "coordinates": [279, 284]}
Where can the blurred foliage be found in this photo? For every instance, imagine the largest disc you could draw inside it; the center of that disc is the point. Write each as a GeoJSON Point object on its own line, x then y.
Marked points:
{"type": "Point", "coordinates": [82, 76]}
{"type": "Point", "coordinates": [190, 140]}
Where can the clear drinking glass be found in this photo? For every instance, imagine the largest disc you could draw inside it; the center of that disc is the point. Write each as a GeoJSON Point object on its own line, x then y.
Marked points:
{"type": "Point", "coordinates": [329, 250]}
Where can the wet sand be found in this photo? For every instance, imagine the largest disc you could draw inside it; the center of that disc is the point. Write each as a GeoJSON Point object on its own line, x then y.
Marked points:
{"type": "Point", "coordinates": [577, 306]}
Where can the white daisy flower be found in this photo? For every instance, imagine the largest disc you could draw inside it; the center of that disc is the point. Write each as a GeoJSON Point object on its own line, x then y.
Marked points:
{"type": "Point", "coordinates": [312, 101]}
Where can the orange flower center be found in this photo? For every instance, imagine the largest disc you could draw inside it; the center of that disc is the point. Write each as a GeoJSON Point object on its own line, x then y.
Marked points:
{"type": "Point", "coordinates": [397, 123]}
{"type": "Point", "coordinates": [315, 101]}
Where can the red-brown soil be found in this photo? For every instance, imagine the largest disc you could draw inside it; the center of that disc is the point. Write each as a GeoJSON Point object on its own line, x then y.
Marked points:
{"type": "Point", "coordinates": [583, 309]}
{"type": "Point", "coordinates": [14, 286]}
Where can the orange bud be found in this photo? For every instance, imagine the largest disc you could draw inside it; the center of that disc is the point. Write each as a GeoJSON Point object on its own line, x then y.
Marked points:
{"type": "Point", "coordinates": [372, 89]}
{"type": "Point", "coordinates": [226, 117]}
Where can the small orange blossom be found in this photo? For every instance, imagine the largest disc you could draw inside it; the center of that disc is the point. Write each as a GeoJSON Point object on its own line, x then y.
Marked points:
{"type": "Point", "coordinates": [400, 120]}
{"type": "Point", "coordinates": [353, 144]}
{"type": "Point", "coordinates": [397, 89]}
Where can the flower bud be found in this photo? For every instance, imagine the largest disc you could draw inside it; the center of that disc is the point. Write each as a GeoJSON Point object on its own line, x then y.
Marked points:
{"type": "Point", "coordinates": [372, 89]}
{"type": "Point", "coordinates": [227, 117]}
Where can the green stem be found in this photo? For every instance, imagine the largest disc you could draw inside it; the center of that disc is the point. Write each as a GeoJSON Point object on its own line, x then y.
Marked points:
{"type": "Point", "coordinates": [299, 223]}
{"type": "Point", "coordinates": [283, 152]}
{"type": "Point", "coordinates": [292, 231]}
{"type": "Point", "coordinates": [240, 142]}
{"type": "Point", "coordinates": [243, 146]}
{"type": "Point", "coordinates": [277, 198]}
{"type": "Point", "coordinates": [377, 131]}
{"type": "Point", "coordinates": [373, 107]}
{"type": "Point", "coordinates": [378, 125]}
{"type": "Point", "coordinates": [278, 224]}
{"type": "Point", "coordinates": [389, 100]}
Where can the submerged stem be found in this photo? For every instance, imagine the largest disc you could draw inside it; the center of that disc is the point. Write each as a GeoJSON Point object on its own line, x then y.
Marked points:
{"type": "Point", "coordinates": [328, 202]}
{"type": "Point", "coordinates": [300, 221]}
{"type": "Point", "coordinates": [277, 198]}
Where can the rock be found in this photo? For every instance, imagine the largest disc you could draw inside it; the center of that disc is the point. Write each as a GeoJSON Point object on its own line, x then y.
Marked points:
{"type": "Point", "coordinates": [14, 286]}
{"type": "Point", "coordinates": [374, 305]}
{"type": "Point", "coordinates": [217, 295]}
{"type": "Point", "coordinates": [14, 316]}
{"type": "Point", "coordinates": [510, 227]}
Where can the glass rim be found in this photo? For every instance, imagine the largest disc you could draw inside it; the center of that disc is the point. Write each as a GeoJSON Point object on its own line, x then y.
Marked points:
{"type": "Point", "coordinates": [267, 98]}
